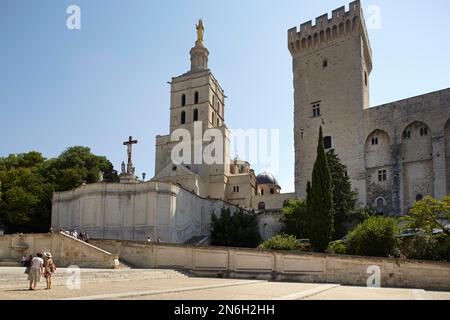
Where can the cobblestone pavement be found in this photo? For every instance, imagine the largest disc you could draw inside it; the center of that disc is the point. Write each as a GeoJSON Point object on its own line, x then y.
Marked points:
{"type": "Point", "coordinates": [170, 284]}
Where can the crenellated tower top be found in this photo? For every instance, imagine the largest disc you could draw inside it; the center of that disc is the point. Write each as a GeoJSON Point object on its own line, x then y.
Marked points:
{"type": "Point", "coordinates": [327, 31]}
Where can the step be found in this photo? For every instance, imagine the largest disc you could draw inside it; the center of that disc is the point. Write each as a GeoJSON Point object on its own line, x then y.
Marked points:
{"type": "Point", "coordinates": [14, 280]}
{"type": "Point", "coordinates": [10, 263]}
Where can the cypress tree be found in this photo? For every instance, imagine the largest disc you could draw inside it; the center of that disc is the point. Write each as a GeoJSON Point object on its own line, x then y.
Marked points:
{"type": "Point", "coordinates": [319, 201]}
{"type": "Point", "coordinates": [344, 198]}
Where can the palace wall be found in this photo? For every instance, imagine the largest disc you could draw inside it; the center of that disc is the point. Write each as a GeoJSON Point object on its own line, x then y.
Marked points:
{"type": "Point", "coordinates": [410, 140]}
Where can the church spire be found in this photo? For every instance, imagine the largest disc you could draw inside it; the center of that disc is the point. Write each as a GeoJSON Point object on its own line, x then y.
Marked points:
{"type": "Point", "coordinates": [199, 53]}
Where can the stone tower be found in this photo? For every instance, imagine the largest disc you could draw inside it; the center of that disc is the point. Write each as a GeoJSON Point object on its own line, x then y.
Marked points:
{"type": "Point", "coordinates": [197, 102]}
{"type": "Point", "coordinates": [332, 61]}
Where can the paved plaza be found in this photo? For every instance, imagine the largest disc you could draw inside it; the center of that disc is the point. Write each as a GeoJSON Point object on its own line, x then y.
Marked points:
{"type": "Point", "coordinates": [135, 284]}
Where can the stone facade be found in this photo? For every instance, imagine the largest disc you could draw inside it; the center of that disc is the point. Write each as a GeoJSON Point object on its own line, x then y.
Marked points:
{"type": "Point", "coordinates": [395, 153]}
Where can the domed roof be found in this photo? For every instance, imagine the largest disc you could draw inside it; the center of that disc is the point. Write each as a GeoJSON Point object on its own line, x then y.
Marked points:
{"type": "Point", "coordinates": [266, 178]}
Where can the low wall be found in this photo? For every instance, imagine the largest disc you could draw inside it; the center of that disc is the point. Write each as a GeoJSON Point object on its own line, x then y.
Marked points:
{"type": "Point", "coordinates": [66, 250]}
{"type": "Point", "coordinates": [281, 266]}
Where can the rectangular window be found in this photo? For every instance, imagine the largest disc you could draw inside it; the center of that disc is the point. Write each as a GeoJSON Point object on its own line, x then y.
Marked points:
{"type": "Point", "coordinates": [316, 110]}
{"type": "Point", "coordinates": [423, 132]}
{"type": "Point", "coordinates": [236, 189]}
{"type": "Point", "coordinates": [382, 175]}
{"type": "Point", "coordinates": [374, 141]}
{"type": "Point", "coordinates": [327, 141]}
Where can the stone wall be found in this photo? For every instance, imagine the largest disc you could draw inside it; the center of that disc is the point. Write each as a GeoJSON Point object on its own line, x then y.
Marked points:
{"type": "Point", "coordinates": [135, 211]}
{"type": "Point", "coordinates": [281, 266]}
{"type": "Point", "coordinates": [66, 250]}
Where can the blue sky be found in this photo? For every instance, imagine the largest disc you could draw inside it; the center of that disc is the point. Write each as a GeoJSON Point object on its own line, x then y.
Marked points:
{"type": "Point", "coordinates": [98, 85]}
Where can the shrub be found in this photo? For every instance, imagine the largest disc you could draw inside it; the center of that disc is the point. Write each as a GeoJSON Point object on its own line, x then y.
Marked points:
{"type": "Point", "coordinates": [426, 247]}
{"type": "Point", "coordinates": [282, 242]}
{"type": "Point", "coordinates": [375, 237]}
{"type": "Point", "coordinates": [337, 247]}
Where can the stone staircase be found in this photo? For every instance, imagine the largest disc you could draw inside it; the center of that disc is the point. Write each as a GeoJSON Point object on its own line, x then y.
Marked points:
{"type": "Point", "coordinates": [16, 278]}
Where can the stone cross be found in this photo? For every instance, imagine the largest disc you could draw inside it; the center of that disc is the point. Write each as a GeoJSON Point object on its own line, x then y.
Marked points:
{"type": "Point", "coordinates": [129, 145]}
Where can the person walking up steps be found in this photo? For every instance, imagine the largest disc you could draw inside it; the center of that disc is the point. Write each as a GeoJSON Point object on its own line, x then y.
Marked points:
{"type": "Point", "coordinates": [35, 271]}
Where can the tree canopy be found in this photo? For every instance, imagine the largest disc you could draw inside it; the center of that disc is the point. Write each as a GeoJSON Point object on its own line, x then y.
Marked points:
{"type": "Point", "coordinates": [28, 180]}
{"type": "Point", "coordinates": [239, 229]}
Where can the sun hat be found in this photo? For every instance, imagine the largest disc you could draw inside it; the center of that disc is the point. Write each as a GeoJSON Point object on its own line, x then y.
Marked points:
{"type": "Point", "coordinates": [47, 254]}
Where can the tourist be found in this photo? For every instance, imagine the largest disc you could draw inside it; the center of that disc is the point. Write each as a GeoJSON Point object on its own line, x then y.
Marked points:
{"type": "Point", "coordinates": [36, 269]}
{"type": "Point", "coordinates": [86, 235]}
{"type": "Point", "coordinates": [50, 231]}
{"type": "Point", "coordinates": [159, 240]}
{"type": "Point", "coordinates": [26, 262]}
{"type": "Point", "coordinates": [49, 268]}
{"type": "Point", "coordinates": [149, 239]}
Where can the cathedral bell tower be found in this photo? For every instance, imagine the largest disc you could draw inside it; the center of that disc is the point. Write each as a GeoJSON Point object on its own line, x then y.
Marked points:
{"type": "Point", "coordinates": [196, 101]}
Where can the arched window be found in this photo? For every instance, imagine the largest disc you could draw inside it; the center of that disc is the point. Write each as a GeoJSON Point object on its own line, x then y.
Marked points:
{"type": "Point", "coordinates": [380, 206]}
{"type": "Point", "coordinates": [195, 114]}
{"type": "Point", "coordinates": [183, 100]}
{"type": "Point", "coordinates": [261, 206]}
{"type": "Point", "coordinates": [183, 117]}
{"type": "Point", "coordinates": [218, 122]}
{"type": "Point", "coordinates": [196, 97]}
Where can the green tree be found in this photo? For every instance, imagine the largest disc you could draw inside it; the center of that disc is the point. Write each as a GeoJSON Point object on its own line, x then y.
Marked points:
{"type": "Point", "coordinates": [75, 165]}
{"type": "Point", "coordinates": [235, 230]}
{"type": "Point", "coordinates": [428, 214]}
{"type": "Point", "coordinates": [344, 198]}
{"type": "Point", "coordinates": [375, 237]}
{"type": "Point", "coordinates": [319, 203]}
{"type": "Point", "coordinates": [294, 219]}
{"type": "Point", "coordinates": [28, 180]}
{"type": "Point", "coordinates": [25, 197]}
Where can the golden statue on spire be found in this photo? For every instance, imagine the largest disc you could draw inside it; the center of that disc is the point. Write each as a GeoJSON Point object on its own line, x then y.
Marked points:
{"type": "Point", "coordinates": [200, 30]}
